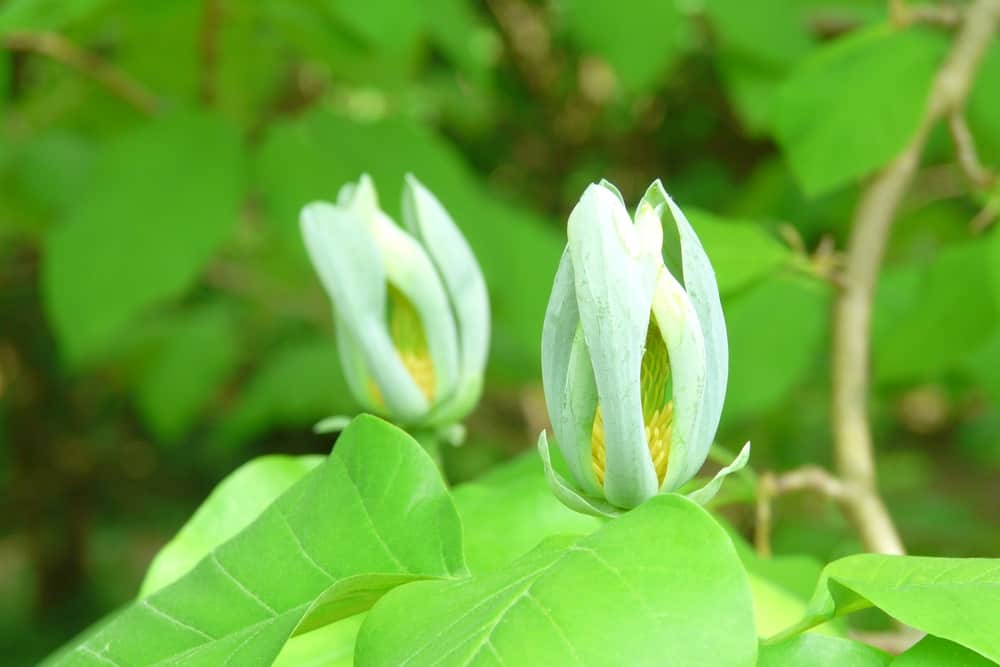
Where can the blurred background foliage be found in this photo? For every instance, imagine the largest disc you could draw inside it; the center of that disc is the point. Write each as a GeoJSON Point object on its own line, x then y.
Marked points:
{"type": "Point", "coordinates": [159, 322]}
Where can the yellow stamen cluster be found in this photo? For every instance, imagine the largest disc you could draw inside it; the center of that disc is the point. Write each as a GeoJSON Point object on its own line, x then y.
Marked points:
{"type": "Point", "coordinates": [407, 332]}
{"type": "Point", "coordinates": [657, 411]}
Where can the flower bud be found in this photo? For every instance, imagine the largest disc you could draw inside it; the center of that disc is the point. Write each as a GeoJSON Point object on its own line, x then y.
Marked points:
{"type": "Point", "coordinates": [410, 305]}
{"type": "Point", "coordinates": [634, 353]}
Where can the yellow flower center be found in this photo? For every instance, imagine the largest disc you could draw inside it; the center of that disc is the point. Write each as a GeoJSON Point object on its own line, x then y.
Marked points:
{"type": "Point", "coordinates": [657, 410]}
{"type": "Point", "coordinates": [407, 332]}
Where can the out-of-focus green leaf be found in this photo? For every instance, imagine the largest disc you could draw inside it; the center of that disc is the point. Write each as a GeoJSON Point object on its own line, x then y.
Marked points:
{"type": "Point", "coordinates": [54, 169]}
{"type": "Point", "coordinates": [311, 157]}
{"type": "Point", "coordinates": [387, 25]}
{"type": "Point", "coordinates": [774, 32]}
{"type": "Point", "coordinates": [640, 39]}
{"type": "Point", "coordinates": [812, 650]}
{"type": "Point", "coordinates": [160, 47]}
{"type": "Point", "coordinates": [936, 652]}
{"type": "Point", "coordinates": [233, 505]}
{"type": "Point", "coordinates": [983, 364]}
{"type": "Point", "coordinates": [162, 198]}
{"type": "Point", "coordinates": [982, 105]}
{"type": "Point", "coordinates": [928, 318]}
{"type": "Point", "coordinates": [776, 329]}
{"type": "Point", "coordinates": [455, 28]}
{"type": "Point", "coordinates": [850, 106]}
{"type": "Point", "coordinates": [741, 252]}
{"type": "Point", "coordinates": [44, 14]}
{"type": "Point", "coordinates": [957, 599]}
{"type": "Point", "coordinates": [296, 386]}
{"type": "Point", "coordinates": [616, 594]}
{"type": "Point", "coordinates": [375, 514]}
{"type": "Point", "coordinates": [199, 354]}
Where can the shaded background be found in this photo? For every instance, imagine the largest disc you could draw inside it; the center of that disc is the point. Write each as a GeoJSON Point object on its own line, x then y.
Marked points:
{"type": "Point", "coordinates": [160, 325]}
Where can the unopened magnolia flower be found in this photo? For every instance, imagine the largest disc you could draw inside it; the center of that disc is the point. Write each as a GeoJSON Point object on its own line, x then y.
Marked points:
{"type": "Point", "coordinates": [409, 304]}
{"type": "Point", "coordinates": [634, 354]}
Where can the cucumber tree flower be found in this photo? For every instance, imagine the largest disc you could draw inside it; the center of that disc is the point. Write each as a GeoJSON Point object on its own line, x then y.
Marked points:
{"type": "Point", "coordinates": [634, 354]}
{"type": "Point", "coordinates": [409, 303]}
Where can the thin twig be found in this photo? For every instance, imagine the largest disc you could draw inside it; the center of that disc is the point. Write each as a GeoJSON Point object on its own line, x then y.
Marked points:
{"type": "Point", "coordinates": [965, 151]}
{"type": "Point", "coordinates": [984, 219]}
{"type": "Point", "coordinates": [60, 49]}
{"type": "Point", "coordinates": [877, 208]}
{"type": "Point", "coordinates": [807, 478]}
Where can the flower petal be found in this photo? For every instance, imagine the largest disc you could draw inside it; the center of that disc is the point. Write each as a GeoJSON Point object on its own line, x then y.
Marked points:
{"type": "Point", "coordinates": [348, 263]}
{"type": "Point", "coordinates": [614, 291]}
{"type": "Point", "coordinates": [686, 258]}
{"type": "Point", "coordinates": [705, 494]}
{"type": "Point", "coordinates": [409, 269]}
{"type": "Point", "coordinates": [678, 323]}
{"type": "Point", "coordinates": [429, 222]}
{"type": "Point", "coordinates": [566, 494]}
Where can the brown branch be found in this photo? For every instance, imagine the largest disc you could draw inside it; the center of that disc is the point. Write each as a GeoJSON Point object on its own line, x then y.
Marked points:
{"type": "Point", "coordinates": [208, 40]}
{"type": "Point", "coordinates": [902, 15]}
{"type": "Point", "coordinates": [62, 50]}
{"type": "Point", "coordinates": [877, 208]}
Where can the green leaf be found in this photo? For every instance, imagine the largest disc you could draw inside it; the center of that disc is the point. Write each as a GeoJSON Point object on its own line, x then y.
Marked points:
{"type": "Point", "coordinates": [776, 329]}
{"type": "Point", "coordinates": [312, 367]}
{"type": "Point", "coordinates": [981, 107]}
{"type": "Point", "coordinates": [329, 646]}
{"type": "Point", "coordinates": [953, 598]}
{"type": "Point", "coordinates": [162, 199]}
{"type": "Point", "coordinates": [661, 580]}
{"type": "Point", "coordinates": [508, 511]}
{"type": "Point", "coordinates": [640, 39]}
{"type": "Point", "coordinates": [387, 25]}
{"type": "Point", "coordinates": [235, 503]}
{"type": "Point", "coordinates": [375, 514]}
{"type": "Point", "coordinates": [200, 352]}
{"type": "Point", "coordinates": [812, 650]}
{"type": "Point", "coordinates": [741, 252]}
{"type": "Point", "coordinates": [930, 317]}
{"type": "Point", "coordinates": [44, 14]}
{"type": "Point", "coordinates": [851, 106]}
{"type": "Point", "coordinates": [936, 652]}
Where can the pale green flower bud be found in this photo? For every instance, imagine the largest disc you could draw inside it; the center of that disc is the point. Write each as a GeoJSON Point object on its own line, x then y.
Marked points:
{"type": "Point", "coordinates": [410, 305]}
{"type": "Point", "coordinates": [634, 353]}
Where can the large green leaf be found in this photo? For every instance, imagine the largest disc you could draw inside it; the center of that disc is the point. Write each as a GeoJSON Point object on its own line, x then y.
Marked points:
{"type": "Point", "coordinates": [162, 198]}
{"type": "Point", "coordinates": [235, 503]}
{"type": "Point", "coordinates": [375, 514]}
{"type": "Point", "coordinates": [936, 652]}
{"type": "Point", "coordinates": [640, 39]}
{"type": "Point", "coordinates": [954, 598]}
{"type": "Point", "coordinates": [812, 650]}
{"type": "Point", "coordinates": [776, 329]}
{"type": "Point", "coordinates": [663, 580]}
{"type": "Point", "coordinates": [851, 106]}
